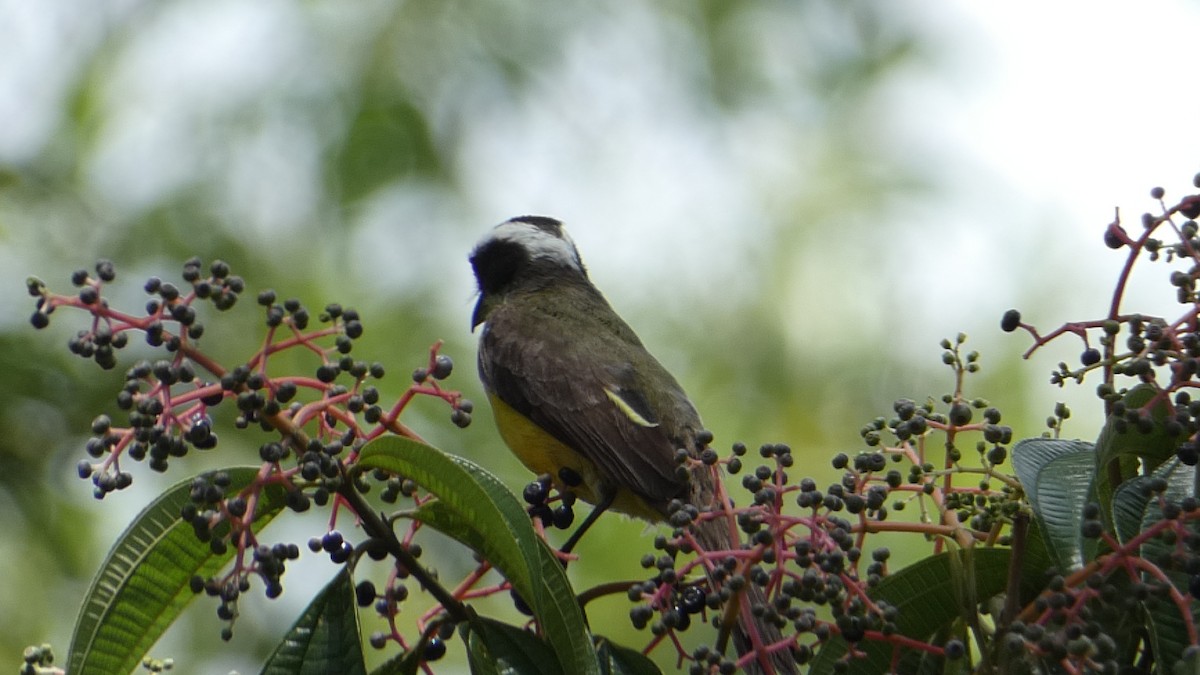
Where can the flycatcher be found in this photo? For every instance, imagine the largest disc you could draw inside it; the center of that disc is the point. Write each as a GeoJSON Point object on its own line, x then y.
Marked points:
{"type": "Point", "coordinates": [577, 396]}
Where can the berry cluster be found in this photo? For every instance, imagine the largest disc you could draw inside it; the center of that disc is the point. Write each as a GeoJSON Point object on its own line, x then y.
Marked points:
{"type": "Point", "coordinates": [224, 522]}
{"type": "Point", "coordinates": [1157, 351]}
{"type": "Point", "coordinates": [809, 574]}
{"type": "Point", "coordinates": [386, 605]}
{"type": "Point", "coordinates": [1072, 622]}
{"type": "Point", "coordinates": [1148, 366]}
{"type": "Point", "coordinates": [319, 420]}
{"type": "Point", "coordinates": [165, 401]}
{"type": "Point", "coordinates": [436, 625]}
{"type": "Point", "coordinates": [168, 401]}
{"type": "Point", "coordinates": [37, 660]}
{"type": "Point", "coordinates": [440, 367]}
{"type": "Point", "coordinates": [169, 304]}
{"type": "Point", "coordinates": [537, 495]}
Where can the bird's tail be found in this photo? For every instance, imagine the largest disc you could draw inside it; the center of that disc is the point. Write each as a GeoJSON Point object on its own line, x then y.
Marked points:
{"type": "Point", "coordinates": [753, 625]}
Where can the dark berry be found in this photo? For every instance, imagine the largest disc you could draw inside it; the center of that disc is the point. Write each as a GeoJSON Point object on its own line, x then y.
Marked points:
{"type": "Point", "coordinates": [342, 554]}
{"type": "Point", "coordinates": [1190, 207]}
{"type": "Point", "coordinates": [442, 367]}
{"type": "Point", "coordinates": [1188, 453]}
{"type": "Point", "coordinates": [1010, 321]}
{"type": "Point", "coordinates": [331, 541]}
{"type": "Point", "coordinates": [563, 517]}
{"type": "Point", "coordinates": [460, 418]}
{"type": "Point", "coordinates": [997, 455]}
{"type": "Point", "coordinates": [960, 414]}
{"type": "Point", "coordinates": [105, 270]}
{"type": "Point", "coordinates": [297, 501]}
{"type": "Point", "coordinates": [237, 507]}
{"type": "Point", "coordinates": [536, 493]}
{"type": "Point", "coordinates": [692, 599]}
{"type": "Point", "coordinates": [1115, 237]}
{"type": "Point", "coordinates": [434, 649]}
{"type": "Point", "coordinates": [365, 593]}
{"type": "Point", "coordinates": [955, 650]}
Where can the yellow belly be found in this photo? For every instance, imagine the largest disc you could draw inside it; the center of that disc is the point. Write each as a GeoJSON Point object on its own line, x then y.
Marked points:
{"type": "Point", "coordinates": [542, 453]}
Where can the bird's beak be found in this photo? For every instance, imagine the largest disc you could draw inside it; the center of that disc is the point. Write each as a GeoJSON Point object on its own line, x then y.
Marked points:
{"type": "Point", "coordinates": [477, 316]}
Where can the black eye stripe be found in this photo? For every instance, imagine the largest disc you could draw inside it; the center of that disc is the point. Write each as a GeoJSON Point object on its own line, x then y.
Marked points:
{"type": "Point", "coordinates": [496, 262]}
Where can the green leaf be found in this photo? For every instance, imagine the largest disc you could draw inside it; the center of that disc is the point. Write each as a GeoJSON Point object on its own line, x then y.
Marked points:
{"type": "Point", "coordinates": [495, 648]}
{"type": "Point", "coordinates": [325, 639]}
{"type": "Point", "coordinates": [1129, 507]}
{"type": "Point", "coordinates": [1057, 477]}
{"type": "Point", "coordinates": [1036, 560]}
{"type": "Point", "coordinates": [929, 595]}
{"type": "Point", "coordinates": [1031, 455]}
{"type": "Point", "coordinates": [623, 660]}
{"type": "Point", "coordinates": [475, 508]}
{"type": "Point", "coordinates": [1154, 447]}
{"type": "Point", "coordinates": [387, 142]}
{"type": "Point", "coordinates": [1167, 626]}
{"type": "Point", "coordinates": [400, 664]}
{"type": "Point", "coordinates": [1124, 452]}
{"type": "Point", "coordinates": [143, 584]}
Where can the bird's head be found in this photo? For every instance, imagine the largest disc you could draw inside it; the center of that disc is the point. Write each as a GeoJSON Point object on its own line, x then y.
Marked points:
{"type": "Point", "coordinates": [526, 252]}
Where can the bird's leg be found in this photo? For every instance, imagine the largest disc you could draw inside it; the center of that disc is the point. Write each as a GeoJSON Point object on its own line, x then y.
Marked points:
{"type": "Point", "coordinates": [606, 501]}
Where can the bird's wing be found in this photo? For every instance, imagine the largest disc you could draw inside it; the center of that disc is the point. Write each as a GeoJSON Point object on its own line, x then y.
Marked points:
{"type": "Point", "coordinates": [589, 393]}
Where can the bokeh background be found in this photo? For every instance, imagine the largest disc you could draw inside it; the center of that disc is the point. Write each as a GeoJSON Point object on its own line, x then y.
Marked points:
{"type": "Point", "coordinates": [793, 202]}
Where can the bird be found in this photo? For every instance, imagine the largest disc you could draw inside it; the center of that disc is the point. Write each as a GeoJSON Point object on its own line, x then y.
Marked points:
{"type": "Point", "coordinates": [577, 396]}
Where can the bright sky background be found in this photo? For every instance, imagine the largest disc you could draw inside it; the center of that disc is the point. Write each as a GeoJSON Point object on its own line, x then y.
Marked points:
{"type": "Point", "coordinates": [1053, 114]}
{"type": "Point", "coordinates": [1066, 110]}
{"type": "Point", "coordinates": [1081, 106]}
